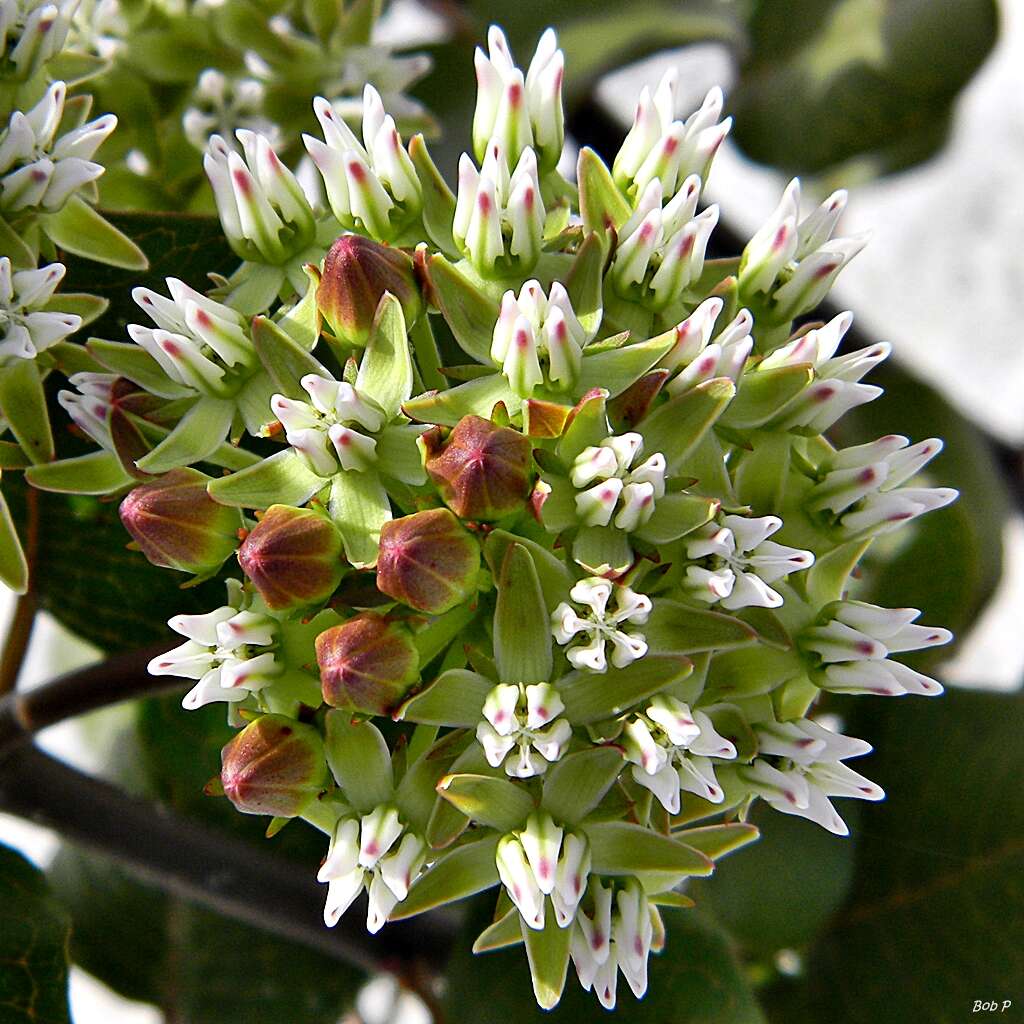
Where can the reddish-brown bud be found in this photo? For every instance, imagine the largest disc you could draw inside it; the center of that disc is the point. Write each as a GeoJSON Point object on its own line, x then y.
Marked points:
{"type": "Point", "coordinates": [178, 525]}
{"type": "Point", "coordinates": [357, 273]}
{"type": "Point", "coordinates": [293, 557]}
{"type": "Point", "coordinates": [428, 561]}
{"type": "Point", "coordinates": [275, 766]}
{"type": "Point", "coordinates": [368, 664]}
{"type": "Point", "coordinates": [482, 470]}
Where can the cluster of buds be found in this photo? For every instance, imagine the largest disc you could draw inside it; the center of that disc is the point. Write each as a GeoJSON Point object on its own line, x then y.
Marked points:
{"type": "Point", "coordinates": [40, 171]}
{"type": "Point", "coordinates": [26, 327]}
{"type": "Point", "coordinates": [31, 33]}
{"type": "Point", "coordinates": [613, 486]}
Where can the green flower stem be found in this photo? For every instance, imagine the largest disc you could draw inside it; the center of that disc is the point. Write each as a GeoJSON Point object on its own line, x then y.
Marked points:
{"type": "Point", "coordinates": [19, 631]}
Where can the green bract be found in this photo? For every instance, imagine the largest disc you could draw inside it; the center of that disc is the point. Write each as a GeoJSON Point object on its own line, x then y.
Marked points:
{"type": "Point", "coordinates": [538, 487]}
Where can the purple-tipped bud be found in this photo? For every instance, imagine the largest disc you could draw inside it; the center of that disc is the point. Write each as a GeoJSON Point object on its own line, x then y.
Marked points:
{"type": "Point", "coordinates": [368, 664]}
{"type": "Point", "coordinates": [275, 766]}
{"type": "Point", "coordinates": [428, 561]}
{"type": "Point", "coordinates": [178, 525]}
{"type": "Point", "coordinates": [357, 273]}
{"type": "Point", "coordinates": [482, 470]}
{"type": "Point", "coordinates": [293, 557]}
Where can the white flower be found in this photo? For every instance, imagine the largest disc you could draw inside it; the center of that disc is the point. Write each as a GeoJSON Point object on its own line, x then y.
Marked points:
{"type": "Point", "coordinates": [26, 328]}
{"type": "Point", "coordinates": [811, 771]}
{"type": "Point", "coordinates": [523, 721]}
{"type": "Point", "coordinates": [519, 111]}
{"type": "Point", "coordinates": [611, 482]}
{"type": "Point", "coordinates": [263, 210]}
{"type": "Point", "coordinates": [377, 853]}
{"type": "Point", "coordinates": [533, 327]}
{"type": "Point", "coordinates": [602, 625]}
{"type": "Point", "coordinates": [32, 32]}
{"type": "Point", "coordinates": [736, 562]}
{"type": "Point", "coordinates": [322, 430]}
{"type": "Point", "coordinates": [367, 182]}
{"type": "Point", "coordinates": [99, 27]}
{"type": "Point", "coordinates": [91, 405]}
{"type": "Point", "coordinates": [693, 356]}
{"type": "Point", "coordinates": [862, 486]}
{"type": "Point", "coordinates": [39, 170]}
{"type": "Point", "coordinates": [663, 149]}
{"type": "Point", "coordinates": [221, 104]}
{"type": "Point", "coordinates": [670, 747]}
{"type": "Point", "coordinates": [663, 248]}
{"type": "Point", "coordinates": [230, 651]}
{"type": "Point", "coordinates": [855, 643]}
{"type": "Point", "coordinates": [499, 213]}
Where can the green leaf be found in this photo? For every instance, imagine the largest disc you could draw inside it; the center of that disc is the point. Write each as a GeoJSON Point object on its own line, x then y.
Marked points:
{"type": "Point", "coordinates": [469, 312]}
{"type": "Point", "coordinates": [496, 803]}
{"type": "Point", "coordinates": [13, 565]}
{"type": "Point", "coordinates": [462, 872]}
{"type": "Point", "coordinates": [676, 628]}
{"type": "Point", "coordinates": [602, 205]}
{"type": "Point", "coordinates": [552, 573]}
{"type": "Point", "coordinates": [678, 426]}
{"type": "Point", "coordinates": [34, 932]}
{"type": "Point", "coordinates": [603, 550]}
{"type": "Point", "coordinates": [477, 397]}
{"type": "Point", "coordinates": [79, 229]}
{"type": "Point", "coordinates": [302, 321]}
{"type": "Point", "coordinates": [416, 793]}
{"type": "Point", "coordinates": [359, 507]}
{"type": "Point", "coordinates": [576, 784]}
{"type": "Point", "coordinates": [522, 631]}
{"type": "Point", "coordinates": [284, 358]}
{"type": "Point", "coordinates": [676, 515]}
{"type": "Point", "coordinates": [23, 406]}
{"type": "Point", "coordinates": [88, 307]}
{"type": "Point", "coordinates": [622, 848]}
{"type": "Point", "coordinates": [718, 840]}
{"type": "Point", "coordinates": [616, 369]}
{"type": "Point", "coordinates": [763, 394]}
{"type": "Point", "coordinates": [589, 696]}
{"type": "Point", "coordinates": [283, 478]}
{"type": "Point", "coordinates": [438, 200]}
{"type": "Point", "coordinates": [455, 698]}
{"type": "Point", "coordinates": [13, 246]}
{"type": "Point", "coordinates": [96, 473]}
{"type": "Point", "coordinates": [359, 760]}
{"type": "Point", "coordinates": [385, 371]}
{"type": "Point", "coordinates": [506, 931]}
{"type": "Point", "coordinates": [547, 952]}
{"type": "Point", "coordinates": [199, 433]}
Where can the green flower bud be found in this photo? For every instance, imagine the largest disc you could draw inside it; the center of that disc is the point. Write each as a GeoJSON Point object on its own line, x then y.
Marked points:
{"type": "Point", "coordinates": [178, 525]}
{"type": "Point", "coordinates": [428, 561]}
{"type": "Point", "coordinates": [357, 273]}
{"type": "Point", "coordinates": [482, 470]}
{"type": "Point", "coordinates": [368, 664]}
{"type": "Point", "coordinates": [274, 766]}
{"type": "Point", "coordinates": [293, 557]}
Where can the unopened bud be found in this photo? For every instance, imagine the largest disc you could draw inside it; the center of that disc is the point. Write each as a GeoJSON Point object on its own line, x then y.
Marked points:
{"type": "Point", "coordinates": [428, 561]}
{"type": "Point", "coordinates": [275, 766]}
{"type": "Point", "coordinates": [482, 470]}
{"type": "Point", "coordinates": [368, 664]}
{"type": "Point", "coordinates": [178, 525]}
{"type": "Point", "coordinates": [357, 273]}
{"type": "Point", "coordinates": [293, 557]}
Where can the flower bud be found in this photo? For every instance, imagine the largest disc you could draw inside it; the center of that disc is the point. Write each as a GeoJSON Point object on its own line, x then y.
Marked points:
{"type": "Point", "coordinates": [428, 561]}
{"type": "Point", "coordinates": [367, 664]}
{"type": "Point", "coordinates": [293, 557]}
{"type": "Point", "coordinates": [482, 470]}
{"type": "Point", "coordinates": [275, 765]}
{"type": "Point", "coordinates": [357, 273]}
{"type": "Point", "coordinates": [178, 525]}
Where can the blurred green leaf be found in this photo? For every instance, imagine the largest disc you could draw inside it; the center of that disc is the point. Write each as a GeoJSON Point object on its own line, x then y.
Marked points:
{"type": "Point", "coordinates": [935, 919]}
{"type": "Point", "coordinates": [34, 931]}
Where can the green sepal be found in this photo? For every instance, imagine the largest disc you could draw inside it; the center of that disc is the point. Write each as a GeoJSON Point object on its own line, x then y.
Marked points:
{"type": "Point", "coordinates": [616, 369]}
{"type": "Point", "coordinates": [134, 362]}
{"type": "Point", "coordinates": [284, 359]}
{"type": "Point", "coordinates": [441, 630]}
{"type": "Point", "coordinates": [398, 454]}
{"type": "Point", "coordinates": [602, 550]}
{"type": "Point", "coordinates": [253, 288]}
{"type": "Point", "coordinates": [827, 579]}
{"type": "Point", "coordinates": [416, 792]}
{"type": "Point", "coordinates": [504, 932]}
{"type": "Point", "coordinates": [678, 426]}
{"type": "Point", "coordinates": [81, 304]}
{"type": "Point", "coordinates": [622, 848]}
{"type": "Point", "coordinates": [13, 564]}
{"type": "Point", "coordinates": [469, 312]}
{"type": "Point", "coordinates": [77, 228]}
{"type": "Point", "coordinates": [359, 759]}
{"type": "Point", "coordinates": [359, 507]}
{"type": "Point", "coordinates": [385, 371]}
{"type": "Point", "coordinates": [496, 803]}
{"type": "Point", "coordinates": [552, 573]}
{"type": "Point", "coordinates": [23, 406]}
{"type": "Point", "coordinates": [716, 841]}
{"type": "Point", "coordinates": [282, 479]}
{"type": "Point", "coordinates": [455, 698]}
{"type": "Point", "coordinates": [577, 783]}
{"type": "Point", "coordinates": [590, 697]}
{"type": "Point", "coordinates": [438, 200]}
{"type": "Point", "coordinates": [585, 282]}
{"type": "Point", "coordinates": [446, 822]}
{"type": "Point", "coordinates": [763, 394]}
{"type": "Point", "coordinates": [302, 321]}
{"type": "Point", "coordinates": [522, 633]}
{"type": "Point", "coordinates": [198, 434]}
{"type": "Point", "coordinates": [464, 871]}
{"type": "Point", "coordinates": [95, 473]}
{"type": "Point", "coordinates": [547, 951]}
{"type": "Point", "coordinates": [588, 426]}
{"type": "Point", "coordinates": [476, 397]}
{"type": "Point", "coordinates": [676, 515]}
{"type": "Point", "coordinates": [12, 457]}
{"type": "Point", "coordinates": [13, 246]}
{"type": "Point", "coordinates": [676, 628]}
{"type": "Point", "coordinates": [602, 205]}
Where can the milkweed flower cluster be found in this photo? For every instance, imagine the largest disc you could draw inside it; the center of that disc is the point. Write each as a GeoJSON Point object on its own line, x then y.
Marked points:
{"type": "Point", "coordinates": [535, 482]}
